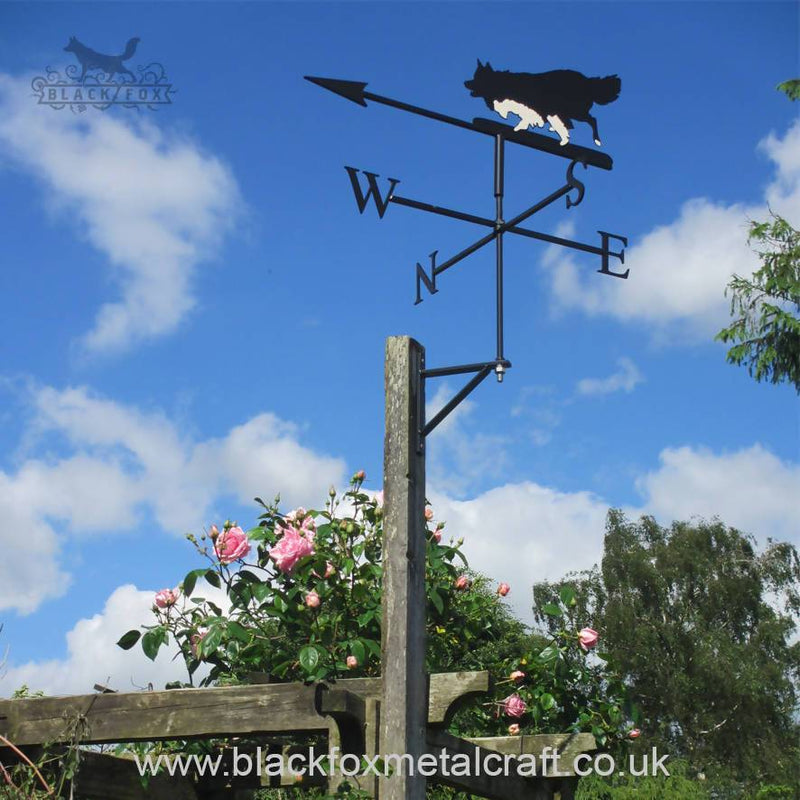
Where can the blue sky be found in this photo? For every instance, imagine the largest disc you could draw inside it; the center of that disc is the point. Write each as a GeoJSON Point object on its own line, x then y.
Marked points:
{"type": "Point", "coordinates": [196, 312]}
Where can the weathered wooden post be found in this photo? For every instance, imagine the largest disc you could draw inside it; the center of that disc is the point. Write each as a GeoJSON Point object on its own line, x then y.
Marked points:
{"type": "Point", "coordinates": [404, 707]}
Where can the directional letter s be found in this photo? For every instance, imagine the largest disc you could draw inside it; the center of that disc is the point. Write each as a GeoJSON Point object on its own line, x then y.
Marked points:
{"type": "Point", "coordinates": [362, 199]}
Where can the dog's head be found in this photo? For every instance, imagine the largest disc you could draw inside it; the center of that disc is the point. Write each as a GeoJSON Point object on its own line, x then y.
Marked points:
{"type": "Point", "coordinates": [482, 83]}
{"type": "Point", "coordinates": [73, 45]}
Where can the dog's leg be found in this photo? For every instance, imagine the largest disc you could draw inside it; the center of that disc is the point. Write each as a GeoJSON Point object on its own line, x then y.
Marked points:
{"type": "Point", "coordinates": [501, 107]}
{"type": "Point", "coordinates": [557, 126]}
{"type": "Point", "coordinates": [593, 122]}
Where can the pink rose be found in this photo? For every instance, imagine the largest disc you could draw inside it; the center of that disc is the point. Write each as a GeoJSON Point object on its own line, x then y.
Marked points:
{"type": "Point", "coordinates": [312, 600]}
{"type": "Point", "coordinates": [167, 597]}
{"type": "Point", "coordinates": [291, 548]}
{"type": "Point", "coordinates": [352, 662]}
{"type": "Point", "coordinates": [195, 640]}
{"type": "Point", "coordinates": [517, 675]}
{"type": "Point", "coordinates": [462, 583]}
{"type": "Point", "coordinates": [437, 535]}
{"type": "Point", "coordinates": [213, 532]}
{"type": "Point", "coordinates": [503, 589]}
{"type": "Point", "coordinates": [359, 476]}
{"type": "Point", "coordinates": [329, 570]}
{"type": "Point", "coordinates": [588, 638]}
{"type": "Point", "coordinates": [634, 734]}
{"type": "Point", "coordinates": [300, 520]}
{"type": "Point", "coordinates": [513, 729]}
{"type": "Point", "coordinates": [231, 545]}
{"type": "Point", "coordinates": [514, 706]}
{"type": "Point", "coordinates": [428, 513]}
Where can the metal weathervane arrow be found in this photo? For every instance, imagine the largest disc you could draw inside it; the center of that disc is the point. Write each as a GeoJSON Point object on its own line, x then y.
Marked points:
{"type": "Point", "coordinates": [554, 98]}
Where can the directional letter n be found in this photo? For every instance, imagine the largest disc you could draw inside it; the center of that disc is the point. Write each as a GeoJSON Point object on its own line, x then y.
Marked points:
{"type": "Point", "coordinates": [430, 282]}
{"type": "Point", "coordinates": [362, 199]}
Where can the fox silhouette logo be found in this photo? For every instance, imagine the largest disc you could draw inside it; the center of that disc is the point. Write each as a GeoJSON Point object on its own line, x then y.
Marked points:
{"type": "Point", "coordinates": [558, 97]}
{"type": "Point", "coordinates": [91, 59]}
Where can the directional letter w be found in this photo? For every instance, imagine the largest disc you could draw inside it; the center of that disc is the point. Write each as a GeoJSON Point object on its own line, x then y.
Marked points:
{"type": "Point", "coordinates": [374, 192]}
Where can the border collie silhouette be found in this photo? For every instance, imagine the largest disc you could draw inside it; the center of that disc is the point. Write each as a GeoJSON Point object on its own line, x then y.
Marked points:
{"type": "Point", "coordinates": [558, 97]}
{"type": "Point", "coordinates": [91, 59]}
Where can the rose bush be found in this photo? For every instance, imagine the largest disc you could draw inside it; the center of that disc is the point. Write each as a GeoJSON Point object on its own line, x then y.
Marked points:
{"type": "Point", "coordinates": [304, 603]}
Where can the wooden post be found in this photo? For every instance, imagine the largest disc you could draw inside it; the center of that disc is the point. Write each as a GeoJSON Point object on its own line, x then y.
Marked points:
{"type": "Point", "coordinates": [404, 705]}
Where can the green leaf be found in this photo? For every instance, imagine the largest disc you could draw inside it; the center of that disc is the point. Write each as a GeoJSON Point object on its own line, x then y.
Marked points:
{"type": "Point", "coordinates": [213, 578]}
{"type": "Point", "coordinates": [548, 654]}
{"type": "Point", "coordinates": [309, 658]}
{"type": "Point", "coordinates": [261, 591]}
{"type": "Point", "coordinates": [211, 641]}
{"type": "Point", "coordinates": [551, 609]}
{"type": "Point", "coordinates": [152, 641]}
{"type": "Point", "coordinates": [547, 701]}
{"type": "Point", "coordinates": [437, 601]}
{"type": "Point", "coordinates": [256, 534]}
{"type": "Point", "coordinates": [129, 640]}
{"type": "Point", "coordinates": [359, 651]}
{"type": "Point", "coordinates": [567, 595]}
{"type": "Point", "coordinates": [238, 631]}
{"type": "Point", "coordinates": [191, 579]}
{"type": "Point", "coordinates": [373, 646]}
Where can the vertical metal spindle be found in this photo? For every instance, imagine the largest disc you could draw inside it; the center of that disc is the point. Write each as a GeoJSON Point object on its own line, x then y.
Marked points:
{"type": "Point", "coordinates": [499, 169]}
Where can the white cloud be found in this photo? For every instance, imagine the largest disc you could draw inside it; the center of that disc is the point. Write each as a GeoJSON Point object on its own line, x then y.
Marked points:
{"type": "Point", "coordinates": [152, 202]}
{"type": "Point", "coordinates": [458, 456]}
{"type": "Point", "coordinates": [93, 655]}
{"type": "Point", "coordinates": [625, 379]}
{"type": "Point", "coordinates": [679, 270]}
{"type": "Point", "coordinates": [750, 489]}
{"type": "Point", "coordinates": [523, 533]}
{"type": "Point", "coordinates": [143, 462]}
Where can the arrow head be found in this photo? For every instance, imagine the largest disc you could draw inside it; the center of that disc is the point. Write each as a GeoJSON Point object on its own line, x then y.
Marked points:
{"type": "Point", "coordinates": [352, 90]}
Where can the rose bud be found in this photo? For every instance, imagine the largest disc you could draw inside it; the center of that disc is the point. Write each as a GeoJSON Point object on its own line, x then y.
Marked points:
{"type": "Point", "coordinates": [588, 638]}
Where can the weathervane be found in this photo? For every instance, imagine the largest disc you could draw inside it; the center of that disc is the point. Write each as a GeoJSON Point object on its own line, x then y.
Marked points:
{"type": "Point", "coordinates": [555, 98]}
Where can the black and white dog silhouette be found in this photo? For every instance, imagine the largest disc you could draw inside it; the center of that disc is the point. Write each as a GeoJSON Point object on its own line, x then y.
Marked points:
{"type": "Point", "coordinates": [91, 59]}
{"type": "Point", "coordinates": [556, 97]}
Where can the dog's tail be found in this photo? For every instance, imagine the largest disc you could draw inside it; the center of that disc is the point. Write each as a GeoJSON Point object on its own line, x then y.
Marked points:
{"type": "Point", "coordinates": [130, 48]}
{"type": "Point", "coordinates": [605, 90]}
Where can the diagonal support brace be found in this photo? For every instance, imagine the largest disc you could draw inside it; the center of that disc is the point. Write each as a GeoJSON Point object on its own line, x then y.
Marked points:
{"type": "Point", "coordinates": [481, 370]}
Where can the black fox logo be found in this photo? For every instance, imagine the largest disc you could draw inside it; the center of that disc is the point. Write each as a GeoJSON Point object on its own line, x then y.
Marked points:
{"type": "Point", "coordinates": [91, 59]}
{"type": "Point", "coordinates": [557, 97]}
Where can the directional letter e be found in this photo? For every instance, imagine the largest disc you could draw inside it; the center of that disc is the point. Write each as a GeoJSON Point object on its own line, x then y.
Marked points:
{"type": "Point", "coordinates": [362, 199]}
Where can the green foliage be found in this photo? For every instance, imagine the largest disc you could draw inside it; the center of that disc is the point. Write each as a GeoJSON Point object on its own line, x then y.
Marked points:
{"type": "Point", "coordinates": [766, 332]}
{"type": "Point", "coordinates": [680, 784]}
{"type": "Point", "coordinates": [701, 626]}
{"type": "Point", "coordinates": [790, 88]}
{"type": "Point", "coordinates": [315, 615]}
